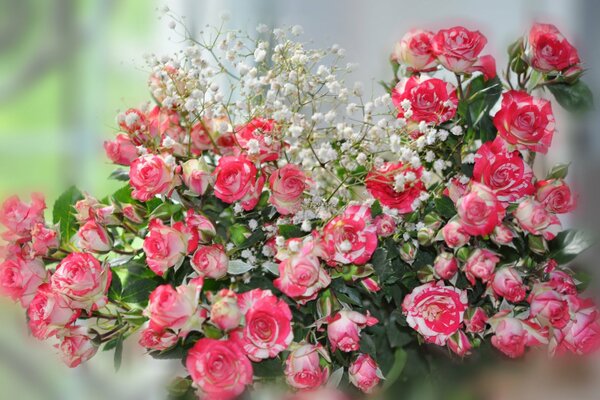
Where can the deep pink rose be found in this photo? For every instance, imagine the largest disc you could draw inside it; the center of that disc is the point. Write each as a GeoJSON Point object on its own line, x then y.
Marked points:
{"type": "Point", "coordinates": [414, 50]}
{"type": "Point", "coordinates": [555, 195]}
{"type": "Point", "coordinates": [454, 234]}
{"type": "Point", "coordinates": [512, 335]}
{"type": "Point", "coordinates": [287, 188]}
{"type": "Point", "coordinates": [364, 373]}
{"type": "Point", "coordinates": [201, 226]}
{"type": "Point", "coordinates": [562, 282]}
{"type": "Point", "coordinates": [431, 99]}
{"type": "Point", "coordinates": [458, 48]}
{"type": "Point", "coordinates": [350, 238]}
{"type": "Point", "coordinates": [548, 50]}
{"type": "Point", "coordinates": [476, 320]}
{"type": "Point", "coordinates": [549, 306]}
{"type": "Point", "coordinates": [166, 246]}
{"type": "Point", "coordinates": [479, 210]}
{"type": "Point", "coordinates": [19, 218]}
{"type": "Point", "coordinates": [259, 140]}
{"type": "Point", "coordinates": [20, 278]}
{"type": "Point", "coordinates": [581, 335]}
{"type": "Point", "coordinates": [210, 261]}
{"type": "Point", "coordinates": [481, 264]}
{"type": "Point", "coordinates": [343, 329]}
{"type": "Point", "coordinates": [76, 347]}
{"type": "Point", "coordinates": [150, 175]}
{"type": "Point", "coordinates": [486, 65]}
{"type": "Point", "coordinates": [385, 225]}
{"type": "Point", "coordinates": [49, 313]}
{"type": "Point", "coordinates": [157, 339]}
{"type": "Point", "coordinates": [303, 368]}
{"type": "Point", "coordinates": [382, 184]}
{"type": "Point", "coordinates": [535, 219]}
{"type": "Point", "coordinates": [236, 180]}
{"type": "Point", "coordinates": [121, 151]}
{"type": "Point", "coordinates": [507, 283]}
{"type": "Point", "coordinates": [445, 265]}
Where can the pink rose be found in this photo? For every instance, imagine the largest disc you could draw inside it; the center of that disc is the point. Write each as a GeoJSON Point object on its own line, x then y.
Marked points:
{"type": "Point", "coordinates": [121, 151]}
{"type": "Point", "coordinates": [287, 187]}
{"type": "Point", "coordinates": [90, 208]}
{"type": "Point", "coordinates": [82, 280]}
{"type": "Point", "coordinates": [49, 313]}
{"type": "Point", "coordinates": [476, 320]}
{"type": "Point", "coordinates": [460, 344]}
{"type": "Point", "coordinates": [535, 219]}
{"type": "Point", "coordinates": [196, 176]}
{"type": "Point", "coordinates": [166, 246]}
{"type": "Point", "coordinates": [486, 65]}
{"type": "Point", "coordinates": [164, 125]}
{"type": "Point", "coordinates": [20, 278]}
{"type": "Point", "coordinates": [159, 340]}
{"type": "Point", "coordinates": [350, 238]}
{"type": "Point", "coordinates": [364, 373]}
{"type": "Point", "coordinates": [414, 50]}
{"type": "Point", "coordinates": [76, 347]}
{"type": "Point", "coordinates": [150, 175]}
{"type": "Point", "coordinates": [259, 140]}
{"type": "Point", "coordinates": [525, 121]}
{"type": "Point", "coordinates": [562, 282]}
{"type": "Point", "coordinates": [455, 189]}
{"type": "Point", "coordinates": [435, 311]}
{"type": "Point", "coordinates": [219, 369]}
{"type": "Point", "coordinates": [481, 264]}
{"type": "Point", "coordinates": [210, 261]}
{"type": "Point", "coordinates": [343, 329]}
{"type": "Point", "coordinates": [236, 180]}
{"type": "Point", "coordinates": [19, 218]}
{"type": "Point", "coordinates": [454, 234]}
{"type": "Point", "coordinates": [581, 335]}
{"type": "Point", "coordinates": [503, 171]}
{"type": "Point", "coordinates": [93, 237]}
{"type": "Point", "coordinates": [512, 335]}
{"type": "Point", "coordinates": [303, 367]}
{"type": "Point", "coordinates": [133, 121]}
{"type": "Point", "coordinates": [502, 235]}
{"type": "Point", "coordinates": [445, 265]}
{"type": "Point", "coordinates": [458, 48]}
{"type": "Point", "coordinates": [431, 99]}
{"type": "Point", "coordinates": [555, 195]}
{"type": "Point", "coordinates": [547, 50]}
{"type": "Point", "coordinates": [131, 213]}
{"type": "Point", "coordinates": [201, 226]}
{"type": "Point", "coordinates": [507, 283]}
{"type": "Point", "coordinates": [43, 239]}
{"type": "Point", "coordinates": [385, 225]}
{"type": "Point", "coordinates": [549, 306]}
{"type": "Point", "coordinates": [479, 210]}
{"type": "Point", "coordinates": [225, 313]}
{"type": "Point", "coordinates": [383, 184]}
{"type": "Point", "coordinates": [268, 328]}
{"type": "Point", "coordinates": [176, 309]}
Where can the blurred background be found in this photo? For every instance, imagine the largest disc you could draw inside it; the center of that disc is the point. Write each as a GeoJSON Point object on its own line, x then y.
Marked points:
{"type": "Point", "coordinates": [68, 66]}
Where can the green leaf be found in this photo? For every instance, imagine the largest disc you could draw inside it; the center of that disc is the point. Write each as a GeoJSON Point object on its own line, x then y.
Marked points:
{"type": "Point", "coordinates": [400, 357]}
{"type": "Point", "coordinates": [376, 209]}
{"type": "Point", "coordinates": [123, 195]}
{"type": "Point", "coordinates": [270, 367]}
{"type": "Point", "coordinates": [576, 97]}
{"type": "Point", "coordinates": [559, 171]}
{"type": "Point", "coordinates": [119, 175]}
{"type": "Point", "coordinates": [118, 352]}
{"type": "Point", "coordinates": [137, 282]}
{"type": "Point", "coordinates": [166, 210]}
{"type": "Point", "coordinates": [291, 231]}
{"type": "Point", "coordinates": [445, 207]}
{"type": "Point", "coordinates": [63, 213]}
{"type": "Point", "coordinates": [569, 244]}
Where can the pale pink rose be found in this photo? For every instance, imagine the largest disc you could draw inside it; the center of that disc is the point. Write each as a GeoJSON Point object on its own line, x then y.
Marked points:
{"type": "Point", "coordinates": [486, 65]}
{"type": "Point", "coordinates": [343, 329]}
{"type": "Point", "coordinates": [502, 235]}
{"type": "Point", "coordinates": [219, 369]}
{"type": "Point", "coordinates": [20, 278]}
{"type": "Point", "coordinates": [19, 218]}
{"type": "Point", "coordinates": [210, 261]}
{"type": "Point", "coordinates": [481, 264]}
{"type": "Point", "coordinates": [89, 208]}
{"type": "Point", "coordinates": [259, 140]}
{"type": "Point", "coordinates": [385, 225]}
{"type": "Point", "coordinates": [76, 347]}
{"type": "Point", "coordinates": [93, 237]}
{"type": "Point", "coordinates": [479, 210]}
{"type": "Point", "coordinates": [435, 311]}
{"type": "Point", "coordinates": [132, 214]}
{"type": "Point", "coordinates": [236, 180]}
{"type": "Point", "coordinates": [455, 189]}
{"type": "Point", "coordinates": [581, 335]}
{"type": "Point", "coordinates": [458, 48]}
{"type": "Point", "coordinates": [507, 283]}
{"type": "Point", "coordinates": [157, 339]}
{"type": "Point", "coordinates": [364, 373]}
{"type": "Point", "coordinates": [454, 234]}
{"type": "Point", "coordinates": [196, 176]}
{"type": "Point", "coordinates": [151, 175]}
{"type": "Point", "coordinates": [547, 50]}
{"type": "Point", "coordinates": [43, 239]}
{"type": "Point", "coordinates": [460, 344]}
{"type": "Point", "coordinates": [303, 368]}
{"type": "Point", "coordinates": [431, 99]}
{"type": "Point", "coordinates": [49, 313]}
{"type": "Point", "coordinates": [562, 282]}
{"type": "Point", "coordinates": [476, 320]}
{"type": "Point", "coordinates": [225, 313]}
{"type": "Point", "coordinates": [200, 225]}
{"type": "Point", "coordinates": [445, 265]}
{"type": "Point", "coordinates": [512, 335]}
{"type": "Point", "coordinates": [267, 330]}
{"type": "Point", "coordinates": [549, 306]}
{"type": "Point", "coordinates": [166, 246]}
{"type": "Point", "coordinates": [350, 238]}
{"type": "Point", "coordinates": [535, 219]}
{"type": "Point", "coordinates": [555, 195]}
{"type": "Point", "coordinates": [176, 309]}
{"type": "Point", "coordinates": [121, 151]}
{"type": "Point", "coordinates": [287, 188]}
{"type": "Point", "coordinates": [414, 50]}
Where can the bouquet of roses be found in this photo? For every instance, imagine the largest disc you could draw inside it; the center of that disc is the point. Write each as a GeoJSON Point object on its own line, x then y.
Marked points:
{"type": "Point", "coordinates": [277, 226]}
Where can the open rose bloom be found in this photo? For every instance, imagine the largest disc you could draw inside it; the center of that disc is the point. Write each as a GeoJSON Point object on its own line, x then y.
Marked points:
{"type": "Point", "coordinates": [276, 229]}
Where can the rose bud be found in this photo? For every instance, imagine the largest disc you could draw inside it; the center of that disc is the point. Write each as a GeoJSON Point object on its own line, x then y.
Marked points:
{"type": "Point", "coordinates": [555, 195]}
{"type": "Point", "coordinates": [454, 234]}
{"type": "Point", "coordinates": [460, 344]}
{"type": "Point", "coordinates": [82, 280]}
{"type": "Point", "coordinates": [303, 367]}
{"type": "Point", "coordinates": [371, 285]}
{"type": "Point", "coordinates": [157, 340]}
{"type": "Point", "coordinates": [445, 265]}
{"type": "Point", "coordinates": [166, 246]}
{"type": "Point", "coordinates": [219, 369]}
{"type": "Point", "coordinates": [549, 306]}
{"type": "Point", "coordinates": [43, 239]}
{"type": "Point", "coordinates": [535, 219]}
{"type": "Point", "coordinates": [196, 176]}
{"type": "Point", "coordinates": [476, 320]}
{"type": "Point", "coordinates": [49, 313]}
{"type": "Point", "coordinates": [414, 50]}
{"type": "Point", "coordinates": [224, 312]}
{"type": "Point", "coordinates": [425, 235]}
{"type": "Point", "coordinates": [93, 237]}
{"type": "Point", "coordinates": [130, 212]}
{"type": "Point", "coordinates": [121, 151]}
{"type": "Point", "coordinates": [385, 225]}
{"type": "Point", "coordinates": [20, 278]}
{"type": "Point", "coordinates": [344, 328]}
{"type": "Point", "coordinates": [458, 48]}
{"type": "Point", "coordinates": [408, 252]}
{"type": "Point", "coordinates": [507, 283]}
{"type": "Point", "coordinates": [76, 347]}
{"type": "Point", "coordinates": [364, 373]}
{"type": "Point", "coordinates": [210, 261]}
{"type": "Point", "coordinates": [502, 235]}
{"type": "Point", "coordinates": [481, 264]}
{"type": "Point", "coordinates": [19, 218]}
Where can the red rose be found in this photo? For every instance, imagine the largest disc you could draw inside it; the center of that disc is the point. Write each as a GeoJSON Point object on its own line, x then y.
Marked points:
{"type": "Point", "coordinates": [457, 48]}
{"type": "Point", "coordinates": [420, 98]}
{"type": "Point", "coordinates": [525, 121]}
{"type": "Point", "coordinates": [235, 179]}
{"type": "Point", "coordinates": [396, 185]}
{"type": "Point", "coordinates": [548, 50]}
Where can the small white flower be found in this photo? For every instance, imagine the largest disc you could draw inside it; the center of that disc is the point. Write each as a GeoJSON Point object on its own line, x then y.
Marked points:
{"type": "Point", "coordinates": [457, 130]}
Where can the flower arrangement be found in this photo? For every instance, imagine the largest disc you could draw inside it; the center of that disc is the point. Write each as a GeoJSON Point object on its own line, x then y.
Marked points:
{"type": "Point", "coordinates": [278, 226]}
